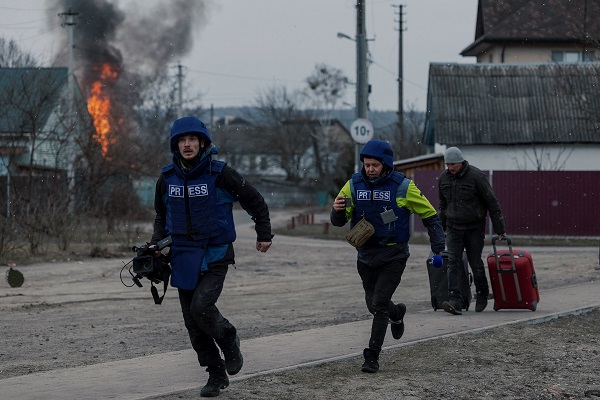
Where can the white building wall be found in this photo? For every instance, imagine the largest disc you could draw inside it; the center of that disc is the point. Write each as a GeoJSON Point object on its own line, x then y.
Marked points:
{"type": "Point", "coordinates": [527, 158]}
{"type": "Point", "coordinates": [525, 54]}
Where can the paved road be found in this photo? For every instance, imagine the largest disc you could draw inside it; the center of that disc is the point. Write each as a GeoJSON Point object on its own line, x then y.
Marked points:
{"type": "Point", "coordinates": [176, 371]}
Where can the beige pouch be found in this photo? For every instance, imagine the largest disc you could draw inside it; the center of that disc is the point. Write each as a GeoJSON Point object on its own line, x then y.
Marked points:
{"type": "Point", "coordinates": [361, 232]}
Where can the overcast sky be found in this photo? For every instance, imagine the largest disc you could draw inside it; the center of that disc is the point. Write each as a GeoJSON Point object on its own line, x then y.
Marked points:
{"type": "Point", "coordinates": [245, 46]}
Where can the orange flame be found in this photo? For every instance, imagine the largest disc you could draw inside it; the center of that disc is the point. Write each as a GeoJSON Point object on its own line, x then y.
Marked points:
{"type": "Point", "coordinates": [99, 108]}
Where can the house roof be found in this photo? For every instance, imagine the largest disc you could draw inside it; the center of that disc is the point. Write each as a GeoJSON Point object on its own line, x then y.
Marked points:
{"type": "Point", "coordinates": [246, 138]}
{"type": "Point", "coordinates": [418, 160]}
{"type": "Point", "coordinates": [513, 103]}
{"type": "Point", "coordinates": [525, 21]}
{"type": "Point", "coordinates": [28, 96]}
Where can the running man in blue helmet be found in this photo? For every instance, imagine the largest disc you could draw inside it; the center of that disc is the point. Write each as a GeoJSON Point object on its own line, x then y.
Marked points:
{"type": "Point", "coordinates": [193, 204]}
{"type": "Point", "coordinates": [385, 198]}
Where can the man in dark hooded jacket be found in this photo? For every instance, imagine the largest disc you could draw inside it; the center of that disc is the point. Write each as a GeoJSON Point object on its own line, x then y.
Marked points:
{"type": "Point", "coordinates": [193, 204]}
{"type": "Point", "coordinates": [466, 197]}
{"type": "Point", "coordinates": [385, 198]}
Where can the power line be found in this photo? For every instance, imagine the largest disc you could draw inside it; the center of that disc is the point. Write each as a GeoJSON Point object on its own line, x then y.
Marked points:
{"type": "Point", "coordinates": [25, 9]}
{"type": "Point", "coordinates": [18, 25]}
{"type": "Point", "coordinates": [30, 38]}
{"type": "Point", "coordinates": [394, 74]}
{"type": "Point", "coordinates": [251, 78]}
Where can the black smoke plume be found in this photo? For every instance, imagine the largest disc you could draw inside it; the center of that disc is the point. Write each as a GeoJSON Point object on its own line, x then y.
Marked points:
{"type": "Point", "coordinates": [140, 37]}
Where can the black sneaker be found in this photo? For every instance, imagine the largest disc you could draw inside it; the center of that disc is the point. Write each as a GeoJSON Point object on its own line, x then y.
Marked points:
{"type": "Point", "coordinates": [397, 326]}
{"type": "Point", "coordinates": [371, 364]}
{"type": "Point", "coordinates": [481, 303]}
{"type": "Point", "coordinates": [216, 382]}
{"type": "Point", "coordinates": [233, 356]}
{"type": "Point", "coordinates": [453, 306]}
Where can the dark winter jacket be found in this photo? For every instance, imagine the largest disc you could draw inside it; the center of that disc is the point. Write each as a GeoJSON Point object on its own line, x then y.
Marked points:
{"type": "Point", "coordinates": [466, 198]}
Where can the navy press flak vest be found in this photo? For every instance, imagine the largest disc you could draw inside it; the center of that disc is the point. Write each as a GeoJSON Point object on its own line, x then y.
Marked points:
{"type": "Point", "coordinates": [371, 202]}
{"type": "Point", "coordinates": [194, 211]}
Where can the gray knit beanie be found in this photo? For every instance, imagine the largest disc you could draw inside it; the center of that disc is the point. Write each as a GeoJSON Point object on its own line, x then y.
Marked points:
{"type": "Point", "coordinates": [453, 155]}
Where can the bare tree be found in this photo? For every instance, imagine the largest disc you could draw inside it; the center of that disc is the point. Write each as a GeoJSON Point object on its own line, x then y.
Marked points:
{"type": "Point", "coordinates": [299, 128]}
{"type": "Point", "coordinates": [31, 109]}
{"type": "Point", "coordinates": [155, 111]}
{"type": "Point", "coordinates": [278, 109]}
{"type": "Point", "coordinates": [326, 89]}
{"type": "Point", "coordinates": [544, 158]}
{"type": "Point", "coordinates": [11, 56]}
{"type": "Point", "coordinates": [411, 145]}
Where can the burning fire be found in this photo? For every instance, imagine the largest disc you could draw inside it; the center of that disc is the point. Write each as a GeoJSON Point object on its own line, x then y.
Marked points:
{"type": "Point", "coordinates": [99, 107]}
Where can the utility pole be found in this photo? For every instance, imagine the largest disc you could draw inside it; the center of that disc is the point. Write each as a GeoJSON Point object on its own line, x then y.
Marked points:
{"type": "Point", "coordinates": [362, 92]}
{"type": "Point", "coordinates": [400, 138]}
{"type": "Point", "coordinates": [362, 83]}
{"type": "Point", "coordinates": [361, 129]}
{"type": "Point", "coordinates": [180, 91]}
{"type": "Point", "coordinates": [70, 21]}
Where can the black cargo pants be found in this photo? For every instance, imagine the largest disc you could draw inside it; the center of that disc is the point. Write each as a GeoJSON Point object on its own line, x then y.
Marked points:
{"type": "Point", "coordinates": [471, 241]}
{"type": "Point", "coordinates": [205, 324]}
{"type": "Point", "coordinates": [379, 284]}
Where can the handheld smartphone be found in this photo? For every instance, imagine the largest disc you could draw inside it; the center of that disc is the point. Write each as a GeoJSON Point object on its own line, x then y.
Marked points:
{"type": "Point", "coordinates": [348, 202]}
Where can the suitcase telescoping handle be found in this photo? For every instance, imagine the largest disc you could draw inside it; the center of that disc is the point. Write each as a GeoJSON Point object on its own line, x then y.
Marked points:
{"type": "Point", "coordinates": [513, 269]}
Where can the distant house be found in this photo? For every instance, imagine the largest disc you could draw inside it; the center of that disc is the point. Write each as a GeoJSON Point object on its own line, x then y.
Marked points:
{"type": "Point", "coordinates": [517, 117]}
{"type": "Point", "coordinates": [265, 153]}
{"type": "Point", "coordinates": [34, 120]}
{"type": "Point", "coordinates": [524, 31]}
{"type": "Point", "coordinates": [246, 148]}
{"type": "Point", "coordinates": [282, 160]}
{"type": "Point", "coordinates": [40, 127]}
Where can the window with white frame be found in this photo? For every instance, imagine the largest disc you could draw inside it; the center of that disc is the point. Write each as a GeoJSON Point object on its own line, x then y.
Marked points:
{"type": "Point", "coordinates": [572, 56]}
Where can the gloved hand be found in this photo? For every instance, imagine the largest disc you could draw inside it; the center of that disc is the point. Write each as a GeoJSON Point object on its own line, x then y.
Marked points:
{"type": "Point", "coordinates": [437, 261]}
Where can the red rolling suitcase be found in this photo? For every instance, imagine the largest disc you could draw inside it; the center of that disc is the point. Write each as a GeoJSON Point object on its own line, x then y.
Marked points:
{"type": "Point", "coordinates": [513, 279]}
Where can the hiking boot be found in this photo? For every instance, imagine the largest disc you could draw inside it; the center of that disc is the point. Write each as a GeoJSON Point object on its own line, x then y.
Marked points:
{"type": "Point", "coordinates": [397, 326]}
{"type": "Point", "coordinates": [453, 306]}
{"type": "Point", "coordinates": [371, 363]}
{"type": "Point", "coordinates": [216, 382]}
{"type": "Point", "coordinates": [233, 355]}
{"type": "Point", "coordinates": [482, 300]}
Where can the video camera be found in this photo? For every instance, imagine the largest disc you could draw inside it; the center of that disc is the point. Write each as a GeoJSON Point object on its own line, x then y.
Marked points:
{"type": "Point", "coordinates": [147, 265]}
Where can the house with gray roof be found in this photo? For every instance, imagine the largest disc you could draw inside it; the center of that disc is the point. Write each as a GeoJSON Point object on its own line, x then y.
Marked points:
{"type": "Point", "coordinates": [517, 116]}
{"type": "Point", "coordinates": [531, 101]}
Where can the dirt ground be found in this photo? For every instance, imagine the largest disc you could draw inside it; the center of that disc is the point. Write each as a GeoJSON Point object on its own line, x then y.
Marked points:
{"type": "Point", "coordinates": [78, 313]}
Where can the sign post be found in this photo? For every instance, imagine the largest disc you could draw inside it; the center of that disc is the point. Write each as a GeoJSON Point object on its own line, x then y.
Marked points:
{"type": "Point", "coordinates": [361, 131]}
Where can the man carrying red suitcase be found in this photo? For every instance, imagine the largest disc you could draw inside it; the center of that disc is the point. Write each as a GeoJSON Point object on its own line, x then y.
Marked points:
{"type": "Point", "coordinates": [466, 197]}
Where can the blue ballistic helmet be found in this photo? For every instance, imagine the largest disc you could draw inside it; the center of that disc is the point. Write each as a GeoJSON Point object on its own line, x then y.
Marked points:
{"type": "Point", "coordinates": [188, 126]}
{"type": "Point", "coordinates": [379, 150]}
